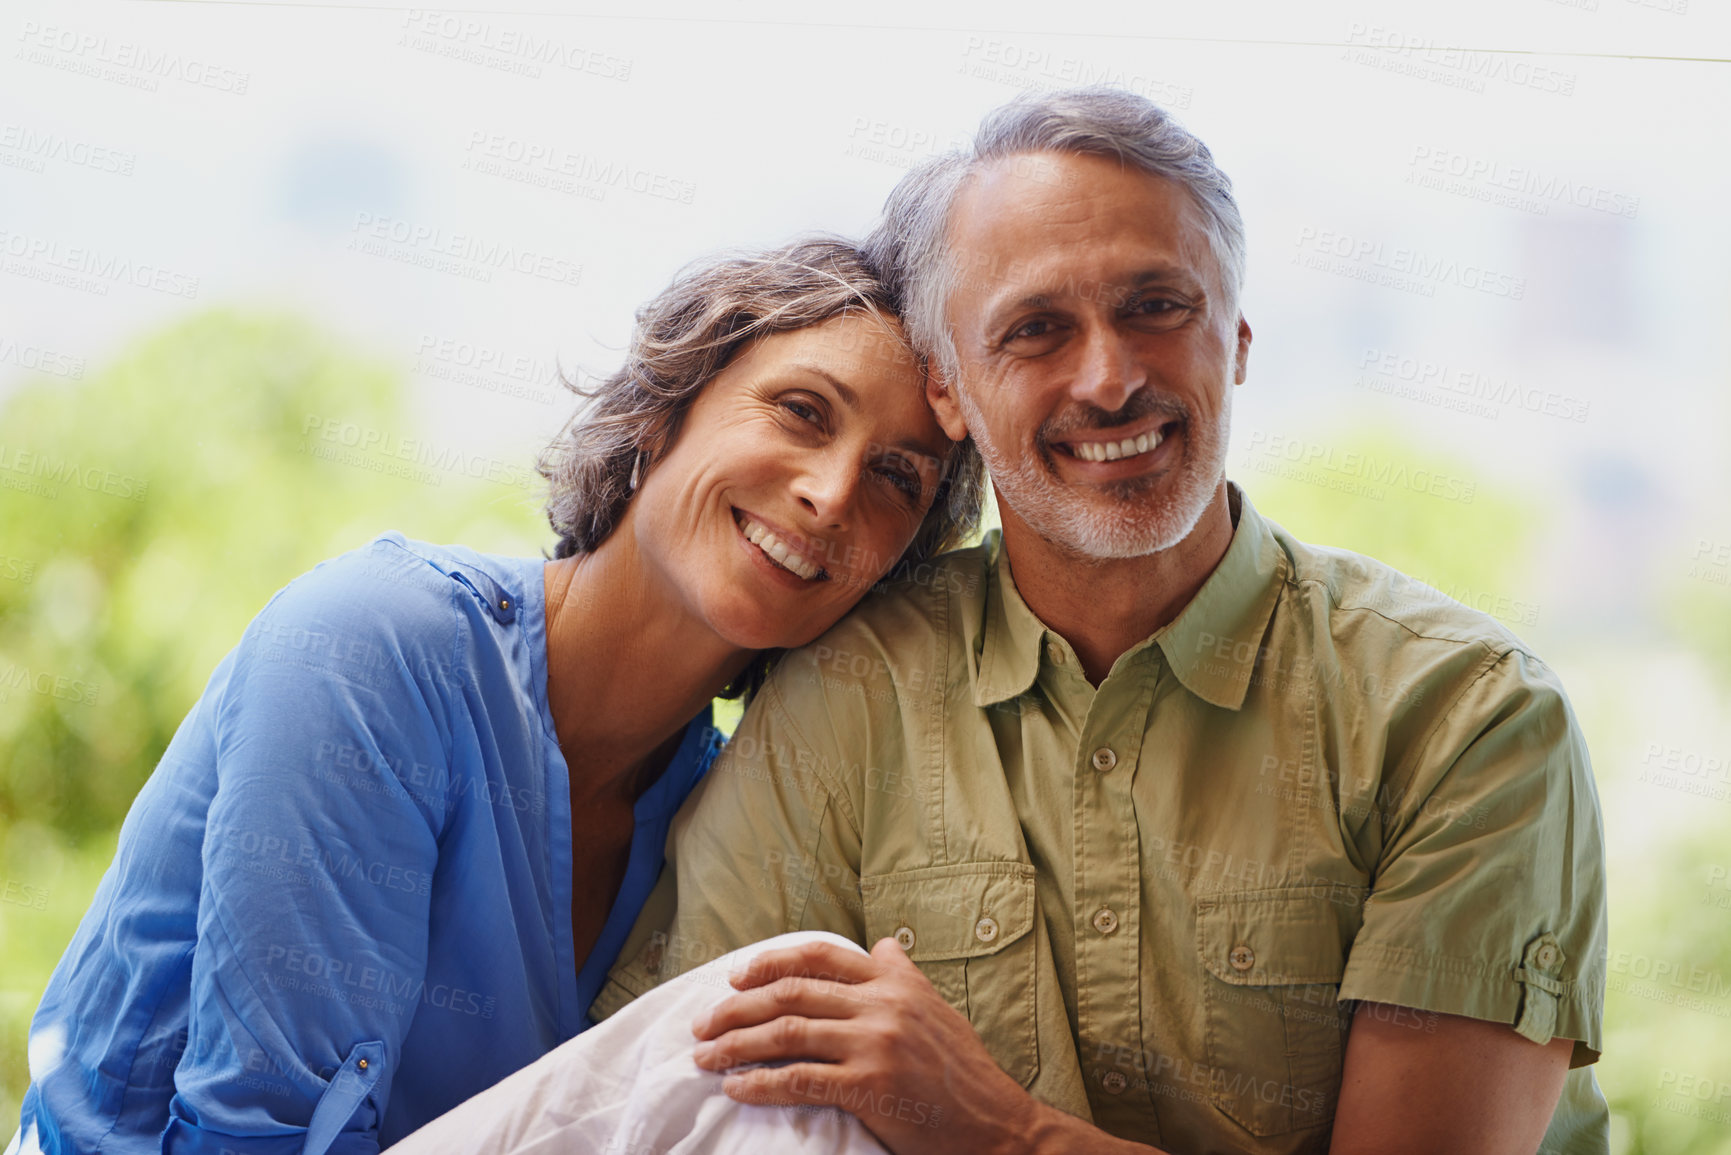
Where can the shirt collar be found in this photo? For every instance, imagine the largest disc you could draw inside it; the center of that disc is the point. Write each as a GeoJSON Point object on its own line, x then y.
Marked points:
{"type": "Point", "coordinates": [1212, 645]}
{"type": "Point", "coordinates": [1010, 653]}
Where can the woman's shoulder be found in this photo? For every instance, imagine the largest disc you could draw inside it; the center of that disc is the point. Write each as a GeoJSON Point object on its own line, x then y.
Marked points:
{"type": "Point", "coordinates": [393, 599]}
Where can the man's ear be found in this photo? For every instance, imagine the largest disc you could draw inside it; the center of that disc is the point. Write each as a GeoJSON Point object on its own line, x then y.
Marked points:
{"type": "Point", "coordinates": [1241, 361]}
{"type": "Point", "coordinates": [942, 399]}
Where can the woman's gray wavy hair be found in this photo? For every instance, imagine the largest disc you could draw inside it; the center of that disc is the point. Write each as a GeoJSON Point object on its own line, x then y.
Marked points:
{"type": "Point", "coordinates": [683, 337]}
{"type": "Point", "coordinates": [911, 243]}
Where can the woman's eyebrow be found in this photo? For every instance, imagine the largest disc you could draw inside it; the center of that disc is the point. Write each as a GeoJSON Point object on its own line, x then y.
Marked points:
{"type": "Point", "coordinates": [851, 399]}
{"type": "Point", "coordinates": [843, 390]}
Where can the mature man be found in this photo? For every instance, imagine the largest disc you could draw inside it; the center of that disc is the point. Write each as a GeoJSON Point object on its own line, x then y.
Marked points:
{"type": "Point", "coordinates": [1166, 826]}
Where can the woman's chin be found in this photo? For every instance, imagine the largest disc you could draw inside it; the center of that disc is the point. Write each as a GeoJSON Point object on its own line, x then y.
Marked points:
{"type": "Point", "coordinates": [776, 638]}
{"type": "Point", "coordinates": [758, 630]}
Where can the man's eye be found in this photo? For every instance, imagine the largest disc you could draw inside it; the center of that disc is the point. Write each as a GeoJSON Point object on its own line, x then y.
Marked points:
{"type": "Point", "coordinates": [1030, 329]}
{"type": "Point", "coordinates": [1155, 307]}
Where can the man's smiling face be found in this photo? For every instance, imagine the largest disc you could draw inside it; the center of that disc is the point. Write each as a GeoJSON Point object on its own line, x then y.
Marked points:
{"type": "Point", "coordinates": [1096, 350]}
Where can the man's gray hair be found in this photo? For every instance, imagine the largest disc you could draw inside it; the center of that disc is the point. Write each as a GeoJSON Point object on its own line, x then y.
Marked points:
{"type": "Point", "coordinates": [910, 245]}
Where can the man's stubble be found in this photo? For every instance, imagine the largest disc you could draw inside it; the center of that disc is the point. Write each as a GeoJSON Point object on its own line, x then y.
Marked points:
{"type": "Point", "coordinates": [1119, 519]}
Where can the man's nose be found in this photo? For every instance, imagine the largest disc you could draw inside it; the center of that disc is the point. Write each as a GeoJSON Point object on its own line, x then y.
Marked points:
{"type": "Point", "coordinates": [1109, 372]}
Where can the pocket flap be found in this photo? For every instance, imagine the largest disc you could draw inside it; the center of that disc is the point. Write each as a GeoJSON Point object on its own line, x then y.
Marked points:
{"type": "Point", "coordinates": [1265, 938]}
{"type": "Point", "coordinates": [963, 910]}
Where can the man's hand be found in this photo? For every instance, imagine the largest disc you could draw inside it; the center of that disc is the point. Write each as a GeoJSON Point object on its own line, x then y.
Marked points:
{"type": "Point", "coordinates": [868, 1034]}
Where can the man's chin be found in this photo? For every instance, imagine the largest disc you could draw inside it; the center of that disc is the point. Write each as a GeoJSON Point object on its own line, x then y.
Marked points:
{"type": "Point", "coordinates": [1139, 490]}
{"type": "Point", "coordinates": [1128, 518]}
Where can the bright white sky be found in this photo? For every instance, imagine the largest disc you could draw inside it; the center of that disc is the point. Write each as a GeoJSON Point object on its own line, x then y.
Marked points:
{"type": "Point", "coordinates": [1574, 255]}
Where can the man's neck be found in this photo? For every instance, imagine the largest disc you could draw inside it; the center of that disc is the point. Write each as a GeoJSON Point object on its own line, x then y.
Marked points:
{"type": "Point", "coordinates": [1104, 606]}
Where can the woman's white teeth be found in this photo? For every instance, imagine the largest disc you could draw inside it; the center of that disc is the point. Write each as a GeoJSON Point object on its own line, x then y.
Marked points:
{"type": "Point", "coordinates": [1113, 450]}
{"type": "Point", "coordinates": [759, 535]}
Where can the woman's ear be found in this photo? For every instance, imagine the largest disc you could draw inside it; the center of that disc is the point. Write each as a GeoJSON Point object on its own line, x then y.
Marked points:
{"type": "Point", "coordinates": [942, 399]}
{"type": "Point", "coordinates": [655, 445]}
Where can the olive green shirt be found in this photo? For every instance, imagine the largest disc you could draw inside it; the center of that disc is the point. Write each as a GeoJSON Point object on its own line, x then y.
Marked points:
{"type": "Point", "coordinates": [1322, 782]}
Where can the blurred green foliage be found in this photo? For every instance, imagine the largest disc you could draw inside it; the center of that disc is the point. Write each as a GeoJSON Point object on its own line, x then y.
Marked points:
{"type": "Point", "coordinates": [1477, 547]}
{"type": "Point", "coordinates": [148, 514]}
{"type": "Point", "coordinates": [132, 601]}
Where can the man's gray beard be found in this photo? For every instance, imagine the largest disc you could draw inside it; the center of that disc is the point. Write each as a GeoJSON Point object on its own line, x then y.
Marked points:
{"type": "Point", "coordinates": [1119, 519]}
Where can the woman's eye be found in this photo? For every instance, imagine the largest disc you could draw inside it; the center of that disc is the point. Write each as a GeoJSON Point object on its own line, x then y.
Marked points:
{"type": "Point", "coordinates": [903, 480]}
{"type": "Point", "coordinates": [804, 410]}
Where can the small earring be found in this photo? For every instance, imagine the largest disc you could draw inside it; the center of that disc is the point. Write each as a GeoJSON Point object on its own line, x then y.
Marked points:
{"type": "Point", "coordinates": [636, 472]}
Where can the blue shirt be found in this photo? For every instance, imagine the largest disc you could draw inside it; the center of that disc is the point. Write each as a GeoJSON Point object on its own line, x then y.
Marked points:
{"type": "Point", "coordinates": [342, 903]}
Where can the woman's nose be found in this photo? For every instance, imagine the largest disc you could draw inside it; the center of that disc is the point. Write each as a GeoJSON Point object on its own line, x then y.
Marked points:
{"type": "Point", "coordinates": [825, 487]}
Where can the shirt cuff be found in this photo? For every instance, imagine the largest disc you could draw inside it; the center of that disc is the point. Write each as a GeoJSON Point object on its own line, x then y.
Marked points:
{"type": "Point", "coordinates": [1527, 993]}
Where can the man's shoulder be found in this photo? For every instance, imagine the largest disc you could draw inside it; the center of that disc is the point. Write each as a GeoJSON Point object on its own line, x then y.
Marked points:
{"type": "Point", "coordinates": [1384, 645]}
{"type": "Point", "coordinates": [918, 606]}
{"type": "Point", "coordinates": [898, 646]}
{"type": "Point", "coordinates": [1369, 601]}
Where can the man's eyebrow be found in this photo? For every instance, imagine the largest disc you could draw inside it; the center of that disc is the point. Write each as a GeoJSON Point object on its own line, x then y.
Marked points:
{"type": "Point", "coordinates": [1157, 274]}
{"type": "Point", "coordinates": [1032, 301]}
{"type": "Point", "coordinates": [1163, 275]}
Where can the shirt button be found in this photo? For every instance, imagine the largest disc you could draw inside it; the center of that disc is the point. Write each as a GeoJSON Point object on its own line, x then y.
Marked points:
{"type": "Point", "coordinates": [1547, 956]}
{"type": "Point", "coordinates": [1104, 759]}
{"type": "Point", "coordinates": [362, 1064]}
{"type": "Point", "coordinates": [652, 959]}
{"type": "Point", "coordinates": [986, 929]}
{"type": "Point", "coordinates": [1113, 1081]}
{"type": "Point", "coordinates": [1106, 921]}
{"type": "Point", "coordinates": [1055, 653]}
{"type": "Point", "coordinates": [1242, 958]}
{"type": "Point", "coordinates": [905, 937]}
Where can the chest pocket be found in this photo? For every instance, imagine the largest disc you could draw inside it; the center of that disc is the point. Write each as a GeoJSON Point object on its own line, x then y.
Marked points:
{"type": "Point", "coordinates": [969, 928]}
{"type": "Point", "coordinates": [1276, 1031]}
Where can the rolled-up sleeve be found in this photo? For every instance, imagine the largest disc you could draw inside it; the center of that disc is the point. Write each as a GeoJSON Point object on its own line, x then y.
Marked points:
{"type": "Point", "coordinates": [1488, 899]}
{"type": "Point", "coordinates": [318, 864]}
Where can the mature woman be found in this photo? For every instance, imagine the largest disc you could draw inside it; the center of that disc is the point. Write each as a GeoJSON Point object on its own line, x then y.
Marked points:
{"type": "Point", "coordinates": [394, 847]}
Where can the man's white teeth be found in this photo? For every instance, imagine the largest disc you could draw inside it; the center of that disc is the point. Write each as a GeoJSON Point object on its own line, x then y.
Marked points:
{"type": "Point", "coordinates": [759, 535]}
{"type": "Point", "coordinates": [1113, 450]}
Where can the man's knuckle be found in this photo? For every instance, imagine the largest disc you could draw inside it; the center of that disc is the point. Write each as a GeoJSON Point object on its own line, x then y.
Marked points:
{"type": "Point", "coordinates": [879, 1056]}
{"type": "Point", "coordinates": [757, 1087]}
{"type": "Point", "coordinates": [789, 1030]}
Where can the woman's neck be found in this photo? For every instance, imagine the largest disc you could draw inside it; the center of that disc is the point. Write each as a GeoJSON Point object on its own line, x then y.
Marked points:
{"type": "Point", "coordinates": [628, 665]}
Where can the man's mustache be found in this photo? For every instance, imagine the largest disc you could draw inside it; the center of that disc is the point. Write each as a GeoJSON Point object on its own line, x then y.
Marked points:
{"type": "Point", "coordinates": [1086, 418]}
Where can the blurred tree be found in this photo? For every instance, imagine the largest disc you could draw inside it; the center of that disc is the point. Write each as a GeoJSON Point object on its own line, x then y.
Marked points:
{"type": "Point", "coordinates": [155, 508]}
{"type": "Point", "coordinates": [1371, 495]}
{"type": "Point", "coordinates": [148, 514]}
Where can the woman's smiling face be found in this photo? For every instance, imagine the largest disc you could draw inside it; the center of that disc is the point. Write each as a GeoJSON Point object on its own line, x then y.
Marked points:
{"type": "Point", "coordinates": [798, 476]}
